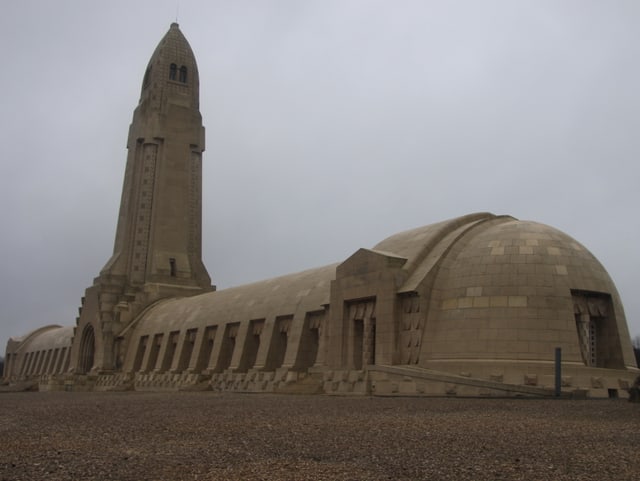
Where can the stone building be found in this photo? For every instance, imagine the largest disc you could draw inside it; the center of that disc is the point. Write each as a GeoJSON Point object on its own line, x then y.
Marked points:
{"type": "Point", "coordinates": [475, 305]}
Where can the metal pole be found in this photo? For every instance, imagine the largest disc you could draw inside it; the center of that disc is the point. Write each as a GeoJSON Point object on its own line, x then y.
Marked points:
{"type": "Point", "coordinates": [558, 371]}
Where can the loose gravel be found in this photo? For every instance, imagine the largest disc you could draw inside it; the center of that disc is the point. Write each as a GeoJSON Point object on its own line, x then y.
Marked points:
{"type": "Point", "coordinates": [210, 436]}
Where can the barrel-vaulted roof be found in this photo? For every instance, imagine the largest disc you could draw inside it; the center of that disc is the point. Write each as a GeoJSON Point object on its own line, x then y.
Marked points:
{"type": "Point", "coordinates": [305, 291]}
{"type": "Point", "coordinates": [45, 338]}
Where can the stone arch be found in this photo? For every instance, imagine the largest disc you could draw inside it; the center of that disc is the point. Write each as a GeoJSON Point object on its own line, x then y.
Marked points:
{"type": "Point", "coordinates": [87, 350]}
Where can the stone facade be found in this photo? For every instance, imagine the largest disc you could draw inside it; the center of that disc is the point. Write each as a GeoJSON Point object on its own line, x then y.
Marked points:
{"type": "Point", "coordinates": [470, 306]}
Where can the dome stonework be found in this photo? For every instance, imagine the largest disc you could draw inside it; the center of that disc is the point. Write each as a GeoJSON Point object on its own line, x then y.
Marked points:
{"type": "Point", "coordinates": [512, 291]}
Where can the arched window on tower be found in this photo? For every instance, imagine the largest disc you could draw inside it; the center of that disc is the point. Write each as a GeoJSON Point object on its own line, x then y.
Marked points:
{"type": "Point", "coordinates": [183, 74]}
{"type": "Point", "coordinates": [173, 70]}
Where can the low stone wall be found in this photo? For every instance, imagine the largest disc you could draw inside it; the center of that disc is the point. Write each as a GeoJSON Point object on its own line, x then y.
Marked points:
{"type": "Point", "coordinates": [374, 380]}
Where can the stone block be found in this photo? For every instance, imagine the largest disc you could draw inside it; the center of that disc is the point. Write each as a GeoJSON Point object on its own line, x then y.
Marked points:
{"type": "Point", "coordinates": [360, 387]}
{"type": "Point", "coordinates": [474, 291]}
{"type": "Point", "coordinates": [407, 388]}
{"type": "Point", "coordinates": [345, 387]}
{"type": "Point", "coordinates": [596, 393]}
{"type": "Point", "coordinates": [481, 302]}
{"type": "Point", "coordinates": [329, 386]}
{"type": "Point", "coordinates": [382, 388]}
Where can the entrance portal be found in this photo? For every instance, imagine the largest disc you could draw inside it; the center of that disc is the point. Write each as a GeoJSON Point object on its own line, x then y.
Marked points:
{"type": "Point", "coordinates": [597, 329]}
{"type": "Point", "coordinates": [363, 341]}
{"type": "Point", "coordinates": [87, 350]}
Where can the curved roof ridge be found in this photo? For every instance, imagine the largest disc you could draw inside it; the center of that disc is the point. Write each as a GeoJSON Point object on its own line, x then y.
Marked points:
{"type": "Point", "coordinates": [411, 243]}
{"type": "Point", "coordinates": [35, 332]}
{"type": "Point", "coordinates": [47, 337]}
{"type": "Point", "coordinates": [277, 278]}
{"type": "Point", "coordinates": [384, 253]}
{"type": "Point", "coordinates": [443, 245]}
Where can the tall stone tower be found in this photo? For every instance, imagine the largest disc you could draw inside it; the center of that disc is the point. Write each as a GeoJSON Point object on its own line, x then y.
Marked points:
{"type": "Point", "coordinates": [158, 239]}
{"type": "Point", "coordinates": [158, 246]}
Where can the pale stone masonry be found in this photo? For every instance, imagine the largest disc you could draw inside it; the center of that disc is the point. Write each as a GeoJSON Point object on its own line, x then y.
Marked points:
{"type": "Point", "coordinates": [475, 305]}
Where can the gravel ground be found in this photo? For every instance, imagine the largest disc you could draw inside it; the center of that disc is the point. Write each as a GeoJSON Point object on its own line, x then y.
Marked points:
{"type": "Point", "coordinates": [209, 436]}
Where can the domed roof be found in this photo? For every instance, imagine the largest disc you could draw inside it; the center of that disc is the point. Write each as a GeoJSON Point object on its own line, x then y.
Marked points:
{"type": "Point", "coordinates": [511, 289]}
{"type": "Point", "coordinates": [515, 257]}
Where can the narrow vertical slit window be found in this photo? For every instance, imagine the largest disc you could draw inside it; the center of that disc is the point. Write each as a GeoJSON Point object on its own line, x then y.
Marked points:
{"type": "Point", "coordinates": [183, 74]}
{"type": "Point", "coordinates": [172, 267]}
{"type": "Point", "coordinates": [173, 71]}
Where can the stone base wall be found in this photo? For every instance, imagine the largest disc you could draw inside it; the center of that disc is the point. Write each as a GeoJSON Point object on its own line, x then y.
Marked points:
{"type": "Point", "coordinates": [596, 382]}
{"type": "Point", "coordinates": [278, 381]}
{"type": "Point", "coordinates": [533, 381]}
{"type": "Point", "coordinates": [114, 382]}
{"type": "Point", "coordinates": [67, 382]}
{"type": "Point", "coordinates": [349, 382]}
{"type": "Point", "coordinates": [167, 381]}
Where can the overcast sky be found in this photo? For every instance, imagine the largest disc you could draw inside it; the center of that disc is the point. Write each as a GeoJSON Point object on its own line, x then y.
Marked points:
{"type": "Point", "coordinates": [330, 126]}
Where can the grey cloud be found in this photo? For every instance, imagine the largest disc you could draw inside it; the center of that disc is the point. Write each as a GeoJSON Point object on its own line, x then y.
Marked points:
{"type": "Point", "coordinates": [330, 125]}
